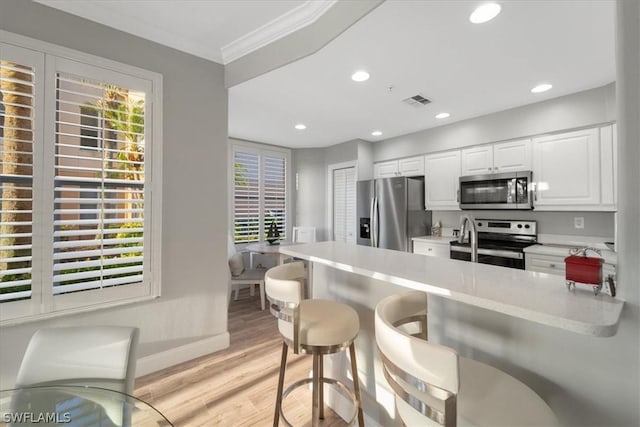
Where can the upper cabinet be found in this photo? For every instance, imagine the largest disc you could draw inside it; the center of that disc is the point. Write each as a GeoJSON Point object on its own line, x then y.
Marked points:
{"type": "Point", "coordinates": [441, 180]}
{"type": "Point", "coordinates": [385, 169]}
{"type": "Point", "coordinates": [411, 166]}
{"type": "Point", "coordinates": [609, 166]}
{"type": "Point", "coordinates": [574, 170]}
{"type": "Point", "coordinates": [496, 158]}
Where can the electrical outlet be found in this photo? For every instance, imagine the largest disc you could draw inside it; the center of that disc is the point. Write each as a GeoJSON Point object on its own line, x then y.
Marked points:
{"type": "Point", "coordinates": [578, 222]}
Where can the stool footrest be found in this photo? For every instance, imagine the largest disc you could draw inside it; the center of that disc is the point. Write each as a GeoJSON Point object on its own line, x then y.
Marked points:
{"type": "Point", "coordinates": [344, 390]}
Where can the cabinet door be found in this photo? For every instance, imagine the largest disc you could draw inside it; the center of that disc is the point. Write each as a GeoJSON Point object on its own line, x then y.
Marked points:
{"type": "Point", "coordinates": [412, 166]}
{"type": "Point", "coordinates": [385, 169]}
{"type": "Point", "coordinates": [477, 160]}
{"type": "Point", "coordinates": [544, 263]}
{"type": "Point", "coordinates": [431, 249]}
{"type": "Point", "coordinates": [608, 163]}
{"type": "Point", "coordinates": [441, 176]}
{"type": "Point", "coordinates": [512, 156]}
{"type": "Point", "coordinates": [566, 169]}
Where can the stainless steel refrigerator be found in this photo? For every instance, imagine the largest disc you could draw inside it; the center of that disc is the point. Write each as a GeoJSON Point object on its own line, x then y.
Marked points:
{"type": "Point", "coordinates": [391, 211]}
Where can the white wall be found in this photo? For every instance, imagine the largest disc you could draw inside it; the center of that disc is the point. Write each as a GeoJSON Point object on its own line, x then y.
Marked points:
{"type": "Point", "coordinates": [310, 196]}
{"type": "Point", "coordinates": [192, 308]}
{"type": "Point", "coordinates": [310, 164]}
{"type": "Point", "coordinates": [365, 160]}
{"type": "Point", "coordinates": [626, 365]}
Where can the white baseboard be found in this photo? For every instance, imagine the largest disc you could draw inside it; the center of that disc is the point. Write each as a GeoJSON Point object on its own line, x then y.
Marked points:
{"type": "Point", "coordinates": [155, 362]}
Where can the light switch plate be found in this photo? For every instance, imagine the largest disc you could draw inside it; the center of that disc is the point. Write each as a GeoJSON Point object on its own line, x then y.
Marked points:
{"type": "Point", "coordinates": [578, 222]}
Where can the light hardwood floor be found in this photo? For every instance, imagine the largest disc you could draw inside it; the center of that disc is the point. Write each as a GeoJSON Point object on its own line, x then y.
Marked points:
{"type": "Point", "coordinates": [237, 386]}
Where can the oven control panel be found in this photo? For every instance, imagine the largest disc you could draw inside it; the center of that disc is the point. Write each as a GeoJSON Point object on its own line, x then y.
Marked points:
{"type": "Point", "coordinates": [527, 228]}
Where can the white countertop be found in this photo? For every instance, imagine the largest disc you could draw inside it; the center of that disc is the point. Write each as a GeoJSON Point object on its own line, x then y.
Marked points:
{"type": "Point", "coordinates": [537, 297]}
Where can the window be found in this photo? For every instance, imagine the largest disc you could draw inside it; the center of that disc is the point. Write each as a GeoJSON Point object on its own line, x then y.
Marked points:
{"type": "Point", "coordinates": [79, 150]}
{"type": "Point", "coordinates": [259, 192]}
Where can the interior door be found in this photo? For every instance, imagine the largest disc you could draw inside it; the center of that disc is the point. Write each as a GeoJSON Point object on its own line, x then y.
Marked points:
{"type": "Point", "coordinates": [344, 205]}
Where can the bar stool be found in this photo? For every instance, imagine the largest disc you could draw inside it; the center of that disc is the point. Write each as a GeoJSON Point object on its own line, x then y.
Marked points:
{"type": "Point", "coordinates": [436, 387]}
{"type": "Point", "coordinates": [311, 326]}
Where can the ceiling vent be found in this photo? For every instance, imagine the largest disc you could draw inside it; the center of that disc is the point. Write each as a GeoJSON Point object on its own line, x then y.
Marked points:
{"type": "Point", "coordinates": [416, 101]}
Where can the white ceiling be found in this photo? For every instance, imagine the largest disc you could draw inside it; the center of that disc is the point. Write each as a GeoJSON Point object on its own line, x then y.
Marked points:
{"type": "Point", "coordinates": [430, 48]}
{"type": "Point", "coordinates": [199, 27]}
{"type": "Point", "coordinates": [425, 47]}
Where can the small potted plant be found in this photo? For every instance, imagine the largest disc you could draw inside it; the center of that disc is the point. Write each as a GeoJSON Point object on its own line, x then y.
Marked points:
{"type": "Point", "coordinates": [273, 235]}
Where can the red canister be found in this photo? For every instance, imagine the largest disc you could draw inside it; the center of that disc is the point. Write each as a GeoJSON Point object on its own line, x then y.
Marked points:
{"type": "Point", "coordinates": [583, 269]}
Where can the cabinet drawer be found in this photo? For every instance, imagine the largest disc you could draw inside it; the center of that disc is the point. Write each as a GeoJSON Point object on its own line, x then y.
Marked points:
{"type": "Point", "coordinates": [431, 249]}
{"type": "Point", "coordinates": [544, 264]}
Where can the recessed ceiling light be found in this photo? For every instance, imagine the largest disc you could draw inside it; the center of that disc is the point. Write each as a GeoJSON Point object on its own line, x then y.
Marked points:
{"type": "Point", "coordinates": [360, 76]}
{"type": "Point", "coordinates": [376, 133]}
{"type": "Point", "coordinates": [484, 13]}
{"type": "Point", "coordinates": [442, 115]}
{"type": "Point", "coordinates": [300, 126]}
{"type": "Point", "coordinates": [541, 88]}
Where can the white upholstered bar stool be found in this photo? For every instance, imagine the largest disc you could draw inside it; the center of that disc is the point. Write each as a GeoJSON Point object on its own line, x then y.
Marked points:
{"type": "Point", "coordinates": [436, 387]}
{"type": "Point", "coordinates": [311, 326]}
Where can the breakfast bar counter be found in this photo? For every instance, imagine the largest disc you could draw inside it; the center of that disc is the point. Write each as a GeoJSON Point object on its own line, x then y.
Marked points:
{"type": "Point", "coordinates": [538, 297]}
{"type": "Point", "coordinates": [525, 323]}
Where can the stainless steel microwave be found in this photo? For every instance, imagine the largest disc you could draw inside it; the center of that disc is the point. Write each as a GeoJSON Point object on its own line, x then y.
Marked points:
{"type": "Point", "coordinates": [510, 190]}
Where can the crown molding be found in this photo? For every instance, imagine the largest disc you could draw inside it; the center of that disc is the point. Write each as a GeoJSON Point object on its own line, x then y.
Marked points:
{"type": "Point", "coordinates": [303, 15]}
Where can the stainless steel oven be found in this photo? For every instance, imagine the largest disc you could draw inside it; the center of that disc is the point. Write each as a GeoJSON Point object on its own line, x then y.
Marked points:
{"type": "Point", "coordinates": [500, 242]}
{"type": "Point", "coordinates": [511, 190]}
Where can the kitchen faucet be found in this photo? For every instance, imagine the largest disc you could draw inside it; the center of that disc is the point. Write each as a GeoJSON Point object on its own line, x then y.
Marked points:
{"type": "Point", "coordinates": [473, 231]}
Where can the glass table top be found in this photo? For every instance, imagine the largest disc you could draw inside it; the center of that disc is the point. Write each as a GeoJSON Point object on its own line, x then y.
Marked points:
{"type": "Point", "coordinates": [76, 406]}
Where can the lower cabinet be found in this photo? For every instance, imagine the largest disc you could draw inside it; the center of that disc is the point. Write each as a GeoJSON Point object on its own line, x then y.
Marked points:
{"type": "Point", "coordinates": [544, 263]}
{"type": "Point", "coordinates": [553, 264]}
{"type": "Point", "coordinates": [435, 248]}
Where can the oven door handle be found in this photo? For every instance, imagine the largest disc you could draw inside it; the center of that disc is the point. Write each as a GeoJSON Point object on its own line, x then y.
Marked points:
{"type": "Point", "coordinates": [490, 252]}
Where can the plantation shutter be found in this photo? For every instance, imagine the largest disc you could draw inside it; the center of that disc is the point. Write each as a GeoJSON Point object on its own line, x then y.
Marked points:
{"type": "Point", "coordinates": [350, 205]}
{"type": "Point", "coordinates": [275, 193]}
{"type": "Point", "coordinates": [99, 183]}
{"type": "Point", "coordinates": [246, 196]}
{"type": "Point", "coordinates": [339, 219]}
{"type": "Point", "coordinates": [17, 144]}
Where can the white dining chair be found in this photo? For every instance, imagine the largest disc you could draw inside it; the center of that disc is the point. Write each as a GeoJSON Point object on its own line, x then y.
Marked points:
{"type": "Point", "coordinates": [434, 386]}
{"type": "Point", "coordinates": [98, 356]}
{"type": "Point", "coordinates": [304, 234]}
{"type": "Point", "coordinates": [239, 276]}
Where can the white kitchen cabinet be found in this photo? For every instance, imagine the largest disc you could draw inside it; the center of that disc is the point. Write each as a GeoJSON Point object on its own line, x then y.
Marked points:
{"type": "Point", "coordinates": [512, 156]}
{"type": "Point", "coordinates": [553, 264]}
{"type": "Point", "coordinates": [608, 166]}
{"type": "Point", "coordinates": [497, 158]}
{"type": "Point", "coordinates": [431, 248]}
{"type": "Point", "coordinates": [442, 176]}
{"type": "Point", "coordinates": [566, 170]}
{"type": "Point", "coordinates": [385, 169]}
{"type": "Point", "coordinates": [544, 263]}
{"type": "Point", "coordinates": [410, 166]}
{"type": "Point", "coordinates": [477, 160]}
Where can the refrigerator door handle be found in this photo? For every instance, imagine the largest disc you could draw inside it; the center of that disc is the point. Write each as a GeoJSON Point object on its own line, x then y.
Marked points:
{"type": "Point", "coordinates": [372, 221]}
{"type": "Point", "coordinates": [376, 224]}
